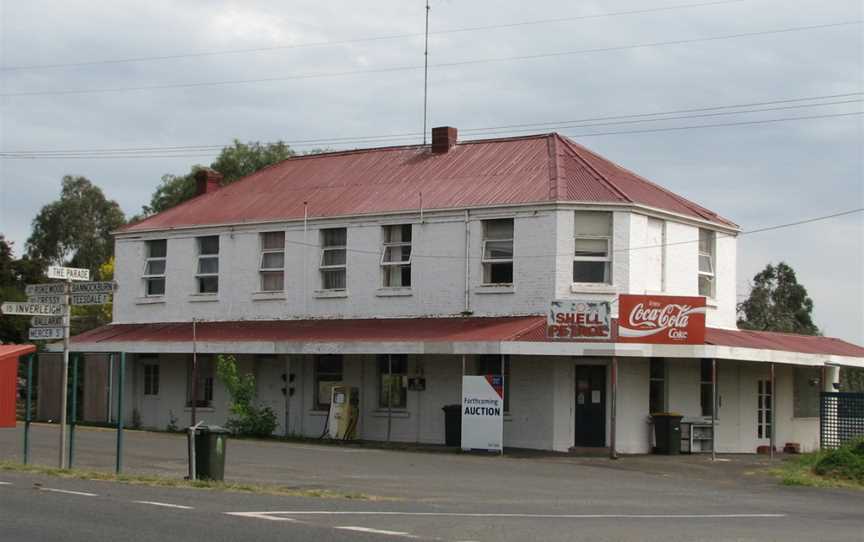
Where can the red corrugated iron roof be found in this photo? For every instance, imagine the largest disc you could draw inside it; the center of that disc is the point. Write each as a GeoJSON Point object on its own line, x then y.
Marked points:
{"type": "Point", "coordinates": [366, 330]}
{"type": "Point", "coordinates": [430, 330]}
{"type": "Point", "coordinates": [507, 171]}
{"type": "Point", "coordinates": [8, 351]}
{"type": "Point", "coordinates": [769, 340]}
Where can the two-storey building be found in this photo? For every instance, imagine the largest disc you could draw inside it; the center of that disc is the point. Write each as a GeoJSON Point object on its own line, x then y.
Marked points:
{"type": "Point", "coordinates": [430, 262]}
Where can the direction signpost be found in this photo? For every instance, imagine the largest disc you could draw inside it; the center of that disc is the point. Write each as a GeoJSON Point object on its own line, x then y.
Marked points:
{"type": "Point", "coordinates": [50, 306]}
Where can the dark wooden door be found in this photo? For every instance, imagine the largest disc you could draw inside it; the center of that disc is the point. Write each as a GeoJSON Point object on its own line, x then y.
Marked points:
{"type": "Point", "coordinates": [590, 405]}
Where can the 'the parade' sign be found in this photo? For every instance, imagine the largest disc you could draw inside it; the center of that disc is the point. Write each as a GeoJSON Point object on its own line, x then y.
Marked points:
{"type": "Point", "coordinates": [661, 319]}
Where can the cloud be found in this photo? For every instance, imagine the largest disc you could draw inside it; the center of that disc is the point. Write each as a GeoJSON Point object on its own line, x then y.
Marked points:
{"type": "Point", "coordinates": [756, 175]}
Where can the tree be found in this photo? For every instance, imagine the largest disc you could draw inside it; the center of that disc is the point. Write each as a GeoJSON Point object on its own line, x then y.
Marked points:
{"type": "Point", "coordinates": [12, 329]}
{"type": "Point", "coordinates": [777, 303]}
{"type": "Point", "coordinates": [234, 162]}
{"type": "Point", "coordinates": [248, 419]}
{"type": "Point", "coordinates": [76, 229]}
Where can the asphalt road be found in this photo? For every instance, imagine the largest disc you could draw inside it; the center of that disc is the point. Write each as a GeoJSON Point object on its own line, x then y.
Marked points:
{"type": "Point", "coordinates": [428, 496]}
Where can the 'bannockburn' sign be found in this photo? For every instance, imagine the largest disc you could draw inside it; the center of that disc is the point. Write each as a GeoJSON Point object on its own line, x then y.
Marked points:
{"type": "Point", "coordinates": [659, 319]}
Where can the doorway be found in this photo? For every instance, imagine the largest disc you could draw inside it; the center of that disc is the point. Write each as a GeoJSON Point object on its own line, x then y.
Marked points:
{"type": "Point", "coordinates": [590, 410]}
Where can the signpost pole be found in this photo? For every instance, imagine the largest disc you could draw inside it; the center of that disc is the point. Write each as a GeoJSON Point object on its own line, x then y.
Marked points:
{"type": "Point", "coordinates": [73, 415]}
{"type": "Point", "coordinates": [613, 452]}
{"type": "Point", "coordinates": [120, 378]}
{"type": "Point", "coordinates": [28, 409]}
{"type": "Point", "coordinates": [713, 409]}
{"type": "Point", "coordinates": [65, 373]}
{"type": "Point", "coordinates": [110, 386]}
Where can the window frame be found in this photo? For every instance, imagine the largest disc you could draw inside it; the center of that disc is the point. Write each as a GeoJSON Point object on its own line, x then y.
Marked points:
{"type": "Point", "coordinates": [706, 392]}
{"type": "Point", "coordinates": [662, 380]}
{"type": "Point", "coordinates": [488, 263]}
{"type": "Point", "coordinates": [201, 277]}
{"type": "Point", "coordinates": [151, 379]}
{"type": "Point", "coordinates": [206, 381]}
{"type": "Point", "coordinates": [324, 269]}
{"type": "Point", "coordinates": [709, 276]}
{"type": "Point", "coordinates": [387, 267]}
{"type": "Point", "coordinates": [326, 376]}
{"type": "Point", "coordinates": [151, 277]}
{"type": "Point", "coordinates": [263, 272]}
{"type": "Point", "coordinates": [607, 259]}
{"type": "Point", "coordinates": [401, 359]}
{"type": "Point", "coordinates": [483, 362]}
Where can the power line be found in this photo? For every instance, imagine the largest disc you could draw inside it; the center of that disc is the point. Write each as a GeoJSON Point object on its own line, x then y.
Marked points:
{"type": "Point", "coordinates": [196, 150]}
{"type": "Point", "coordinates": [362, 40]}
{"type": "Point", "coordinates": [416, 68]}
{"type": "Point", "coordinates": [587, 134]}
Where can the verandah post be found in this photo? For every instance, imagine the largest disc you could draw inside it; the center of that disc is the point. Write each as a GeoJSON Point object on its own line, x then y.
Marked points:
{"type": "Point", "coordinates": [120, 385]}
{"type": "Point", "coordinates": [613, 452]}
{"type": "Point", "coordinates": [28, 410]}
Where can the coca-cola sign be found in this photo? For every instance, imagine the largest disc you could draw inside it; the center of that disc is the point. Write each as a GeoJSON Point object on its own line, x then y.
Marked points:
{"type": "Point", "coordinates": [661, 319]}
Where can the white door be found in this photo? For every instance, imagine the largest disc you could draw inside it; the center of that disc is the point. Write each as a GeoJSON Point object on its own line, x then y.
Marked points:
{"type": "Point", "coordinates": [150, 394]}
{"type": "Point", "coordinates": [764, 410]}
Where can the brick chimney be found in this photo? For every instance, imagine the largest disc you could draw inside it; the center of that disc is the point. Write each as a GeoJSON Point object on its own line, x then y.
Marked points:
{"type": "Point", "coordinates": [207, 180]}
{"type": "Point", "coordinates": [443, 138]}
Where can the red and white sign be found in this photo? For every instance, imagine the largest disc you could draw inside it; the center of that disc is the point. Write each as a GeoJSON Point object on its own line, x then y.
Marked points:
{"type": "Point", "coordinates": [658, 319]}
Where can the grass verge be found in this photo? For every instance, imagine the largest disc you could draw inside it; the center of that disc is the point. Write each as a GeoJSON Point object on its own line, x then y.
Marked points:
{"type": "Point", "coordinates": [163, 481]}
{"type": "Point", "coordinates": [843, 468]}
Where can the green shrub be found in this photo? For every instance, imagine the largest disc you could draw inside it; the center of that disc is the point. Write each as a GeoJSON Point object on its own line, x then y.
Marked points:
{"type": "Point", "coordinates": [846, 462]}
{"type": "Point", "coordinates": [248, 419]}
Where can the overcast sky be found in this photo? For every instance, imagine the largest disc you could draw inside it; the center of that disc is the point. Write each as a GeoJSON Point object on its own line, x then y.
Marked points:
{"type": "Point", "coordinates": [756, 174]}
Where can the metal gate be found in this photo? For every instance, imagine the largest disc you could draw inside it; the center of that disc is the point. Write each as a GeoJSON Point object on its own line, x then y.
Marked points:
{"type": "Point", "coordinates": [841, 418]}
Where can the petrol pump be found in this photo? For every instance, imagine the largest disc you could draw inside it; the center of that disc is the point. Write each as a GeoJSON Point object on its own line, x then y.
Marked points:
{"type": "Point", "coordinates": [344, 412]}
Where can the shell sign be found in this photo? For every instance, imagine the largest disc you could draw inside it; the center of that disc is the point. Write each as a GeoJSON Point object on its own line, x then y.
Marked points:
{"type": "Point", "coordinates": [661, 319]}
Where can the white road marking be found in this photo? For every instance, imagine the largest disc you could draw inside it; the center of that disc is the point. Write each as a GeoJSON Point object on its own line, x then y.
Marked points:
{"type": "Point", "coordinates": [260, 515]}
{"type": "Point", "coordinates": [376, 531]}
{"type": "Point", "coordinates": [166, 505]}
{"type": "Point", "coordinates": [5, 483]}
{"type": "Point", "coordinates": [67, 492]}
{"type": "Point", "coordinates": [276, 516]}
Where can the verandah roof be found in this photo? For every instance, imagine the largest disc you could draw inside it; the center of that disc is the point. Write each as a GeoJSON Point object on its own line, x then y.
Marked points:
{"type": "Point", "coordinates": [505, 335]}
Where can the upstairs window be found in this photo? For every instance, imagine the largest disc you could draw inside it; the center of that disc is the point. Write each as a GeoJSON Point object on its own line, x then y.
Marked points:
{"type": "Point", "coordinates": [592, 257]}
{"type": "Point", "coordinates": [208, 265]}
{"type": "Point", "coordinates": [707, 245]}
{"type": "Point", "coordinates": [333, 266]}
{"type": "Point", "coordinates": [498, 251]}
{"type": "Point", "coordinates": [396, 257]}
{"type": "Point", "coordinates": [154, 267]}
{"type": "Point", "coordinates": [272, 264]}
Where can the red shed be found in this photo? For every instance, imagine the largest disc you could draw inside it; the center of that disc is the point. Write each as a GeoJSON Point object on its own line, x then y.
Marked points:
{"type": "Point", "coordinates": [9, 354]}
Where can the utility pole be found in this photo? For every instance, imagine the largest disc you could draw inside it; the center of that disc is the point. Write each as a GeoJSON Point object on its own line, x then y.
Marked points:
{"type": "Point", "coordinates": [426, 74]}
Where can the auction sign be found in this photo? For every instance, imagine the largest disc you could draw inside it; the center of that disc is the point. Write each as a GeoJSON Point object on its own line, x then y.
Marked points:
{"type": "Point", "coordinates": [482, 413]}
{"type": "Point", "coordinates": [658, 319]}
{"type": "Point", "coordinates": [569, 319]}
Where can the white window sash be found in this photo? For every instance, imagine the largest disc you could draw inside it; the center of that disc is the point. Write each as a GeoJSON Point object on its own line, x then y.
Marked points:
{"type": "Point", "coordinates": [398, 244]}
{"type": "Point", "coordinates": [147, 263]}
{"type": "Point", "coordinates": [607, 258]}
{"type": "Point", "coordinates": [484, 259]}
{"type": "Point", "coordinates": [271, 251]}
{"type": "Point", "coordinates": [207, 257]}
{"type": "Point", "coordinates": [325, 250]}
